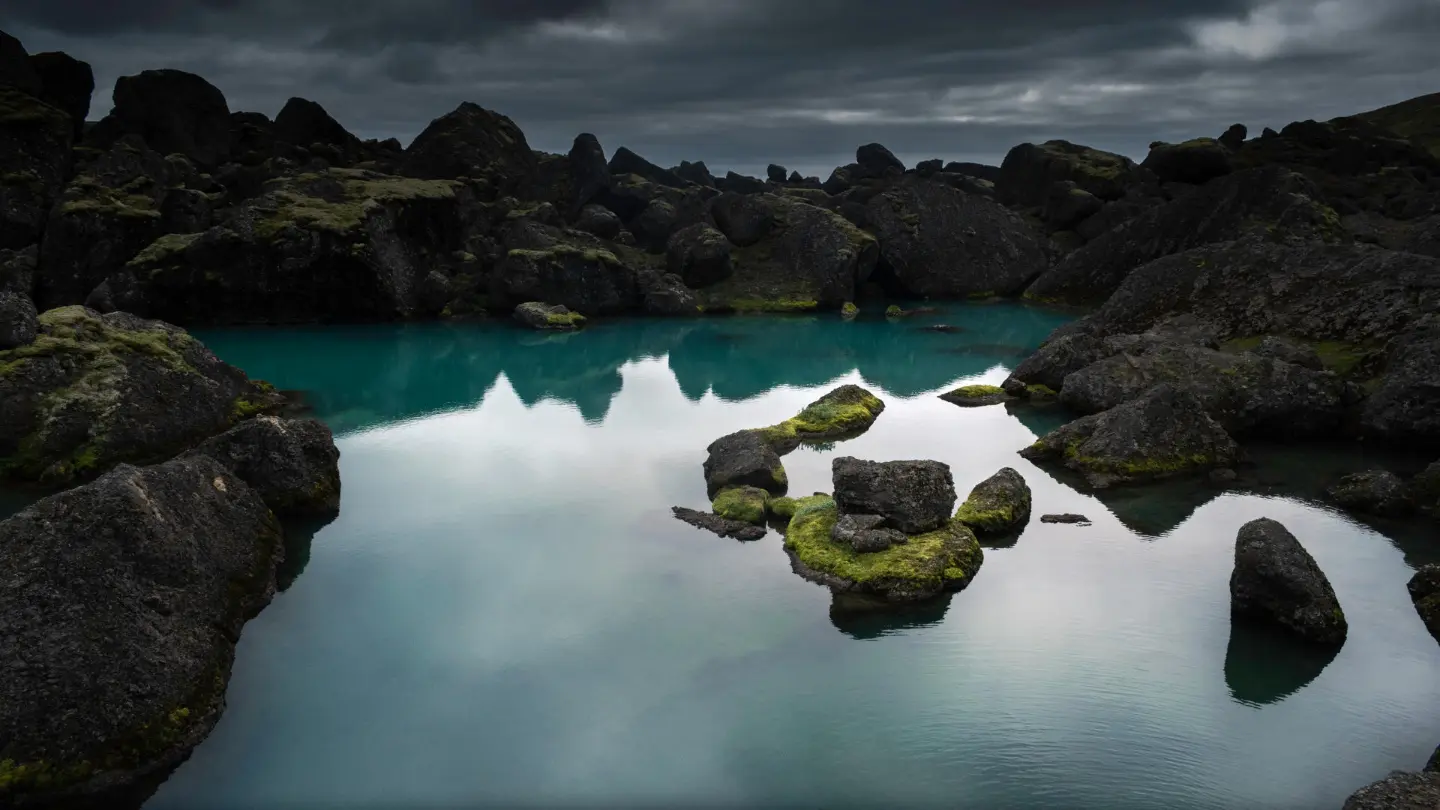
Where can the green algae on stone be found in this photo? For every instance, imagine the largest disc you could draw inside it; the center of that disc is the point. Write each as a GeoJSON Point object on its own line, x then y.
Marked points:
{"type": "Point", "coordinates": [786, 507]}
{"type": "Point", "coordinates": [849, 310]}
{"type": "Point", "coordinates": [844, 412]}
{"type": "Point", "coordinates": [999, 504]}
{"type": "Point", "coordinates": [926, 566]}
{"type": "Point", "coordinates": [745, 504]}
{"type": "Point", "coordinates": [975, 396]}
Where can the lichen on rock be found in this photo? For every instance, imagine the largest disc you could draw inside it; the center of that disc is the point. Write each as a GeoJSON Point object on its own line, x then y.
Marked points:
{"type": "Point", "coordinates": [999, 504]}
{"type": "Point", "coordinates": [842, 413]}
{"type": "Point", "coordinates": [976, 396]}
{"type": "Point", "coordinates": [744, 504]}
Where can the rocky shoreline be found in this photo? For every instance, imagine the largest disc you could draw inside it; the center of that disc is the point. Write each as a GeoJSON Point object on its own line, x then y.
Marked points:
{"type": "Point", "coordinates": [1237, 288]}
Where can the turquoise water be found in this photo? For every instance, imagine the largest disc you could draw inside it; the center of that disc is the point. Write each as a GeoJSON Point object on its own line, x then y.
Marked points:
{"type": "Point", "coordinates": [506, 614]}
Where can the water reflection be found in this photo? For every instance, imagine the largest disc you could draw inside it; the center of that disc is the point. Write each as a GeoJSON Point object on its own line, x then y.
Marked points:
{"type": "Point", "coordinates": [865, 617]}
{"type": "Point", "coordinates": [299, 535]}
{"type": "Point", "coordinates": [1264, 666]}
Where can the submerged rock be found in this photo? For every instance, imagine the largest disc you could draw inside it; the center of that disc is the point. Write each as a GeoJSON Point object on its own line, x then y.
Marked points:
{"type": "Point", "coordinates": [538, 315]}
{"type": "Point", "coordinates": [1374, 492]}
{"type": "Point", "coordinates": [976, 396]}
{"type": "Point", "coordinates": [999, 504]}
{"type": "Point", "coordinates": [1277, 582]}
{"type": "Point", "coordinates": [742, 459]}
{"type": "Point", "coordinates": [1424, 589]}
{"type": "Point", "coordinates": [1163, 433]}
{"type": "Point", "coordinates": [912, 496]}
{"type": "Point", "coordinates": [842, 413]}
{"type": "Point", "coordinates": [1066, 517]}
{"type": "Point", "coordinates": [292, 464]}
{"type": "Point", "coordinates": [1400, 790]}
{"type": "Point", "coordinates": [743, 504]}
{"type": "Point", "coordinates": [719, 525]}
{"type": "Point", "coordinates": [118, 647]}
{"type": "Point", "coordinates": [94, 390]}
{"type": "Point", "coordinates": [925, 566]}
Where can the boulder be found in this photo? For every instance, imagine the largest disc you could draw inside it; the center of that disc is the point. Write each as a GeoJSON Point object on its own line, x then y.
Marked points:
{"type": "Point", "coordinates": [1277, 582]}
{"type": "Point", "coordinates": [538, 315]}
{"type": "Point", "coordinates": [66, 84]}
{"type": "Point", "coordinates": [292, 464]}
{"type": "Point", "coordinates": [1068, 205]}
{"type": "Point", "coordinates": [743, 459]}
{"type": "Point", "coordinates": [745, 219]}
{"type": "Point", "coordinates": [926, 565]}
{"type": "Point", "coordinates": [1234, 137]}
{"type": "Point", "coordinates": [342, 244]}
{"type": "Point", "coordinates": [667, 295]}
{"type": "Point", "coordinates": [16, 69]}
{"type": "Point", "coordinates": [476, 143]}
{"type": "Point", "coordinates": [655, 224]}
{"type": "Point", "coordinates": [118, 648]}
{"type": "Point", "coordinates": [1245, 393]}
{"type": "Point", "coordinates": [775, 173]}
{"type": "Point", "coordinates": [1056, 359]}
{"type": "Point", "coordinates": [699, 254]}
{"type": "Point", "coordinates": [1195, 161]}
{"type": "Point", "coordinates": [1268, 202]}
{"type": "Point", "coordinates": [866, 534]}
{"type": "Point", "coordinates": [912, 496]}
{"type": "Point", "coordinates": [1405, 407]}
{"type": "Point", "coordinates": [590, 175]}
{"type": "Point", "coordinates": [841, 179]}
{"type": "Point", "coordinates": [724, 527]}
{"type": "Point", "coordinates": [744, 504]}
{"type": "Point", "coordinates": [1398, 791]}
{"type": "Point", "coordinates": [937, 242]}
{"type": "Point", "coordinates": [697, 173]}
{"type": "Point", "coordinates": [94, 390]}
{"type": "Point", "coordinates": [302, 122]}
{"type": "Point", "coordinates": [625, 161]}
{"type": "Point", "coordinates": [734, 183]}
{"type": "Point", "coordinates": [1425, 488]}
{"type": "Point", "coordinates": [877, 161]}
{"type": "Point", "coordinates": [929, 168]}
{"type": "Point", "coordinates": [175, 111]}
{"type": "Point", "coordinates": [976, 396]}
{"type": "Point", "coordinates": [587, 279]}
{"type": "Point", "coordinates": [1424, 589]}
{"type": "Point", "coordinates": [18, 322]}
{"type": "Point", "coordinates": [1030, 171]}
{"type": "Point", "coordinates": [997, 505]}
{"type": "Point", "coordinates": [842, 413]}
{"type": "Point", "coordinates": [979, 171]}
{"type": "Point", "coordinates": [1373, 492]}
{"type": "Point", "coordinates": [1163, 433]}
{"type": "Point", "coordinates": [17, 270]}
{"type": "Point", "coordinates": [35, 143]}
{"type": "Point", "coordinates": [599, 221]}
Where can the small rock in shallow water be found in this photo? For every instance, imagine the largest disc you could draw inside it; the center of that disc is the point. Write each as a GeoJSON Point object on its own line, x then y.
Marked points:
{"type": "Point", "coordinates": [1374, 492]}
{"type": "Point", "coordinates": [976, 396]}
{"type": "Point", "coordinates": [1065, 518]}
{"type": "Point", "coordinates": [1277, 582]}
{"type": "Point", "coordinates": [999, 504]}
{"type": "Point", "coordinates": [719, 525]}
{"type": "Point", "coordinates": [744, 458]}
{"type": "Point", "coordinates": [743, 504]}
{"type": "Point", "coordinates": [537, 315]}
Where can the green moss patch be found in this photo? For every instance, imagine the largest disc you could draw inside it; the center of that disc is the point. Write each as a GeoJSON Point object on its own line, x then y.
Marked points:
{"type": "Point", "coordinates": [785, 508]}
{"type": "Point", "coordinates": [339, 200]}
{"type": "Point", "coordinates": [976, 395]}
{"type": "Point", "coordinates": [843, 412]}
{"type": "Point", "coordinates": [1339, 356]}
{"type": "Point", "coordinates": [745, 504]}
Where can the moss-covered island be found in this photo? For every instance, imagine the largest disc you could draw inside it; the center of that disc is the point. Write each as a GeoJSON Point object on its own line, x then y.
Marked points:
{"type": "Point", "coordinates": [843, 413]}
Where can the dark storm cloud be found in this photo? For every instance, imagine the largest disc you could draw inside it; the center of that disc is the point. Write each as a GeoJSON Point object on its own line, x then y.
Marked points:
{"type": "Point", "coordinates": [742, 82]}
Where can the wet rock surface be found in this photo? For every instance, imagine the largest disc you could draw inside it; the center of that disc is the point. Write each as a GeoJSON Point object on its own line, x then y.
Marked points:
{"type": "Point", "coordinates": [999, 504]}
{"type": "Point", "coordinates": [1277, 582]}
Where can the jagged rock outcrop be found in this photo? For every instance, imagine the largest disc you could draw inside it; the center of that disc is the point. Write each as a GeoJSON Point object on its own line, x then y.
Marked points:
{"type": "Point", "coordinates": [1269, 201]}
{"type": "Point", "coordinates": [1401, 790]}
{"type": "Point", "coordinates": [303, 122]}
{"type": "Point", "coordinates": [16, 69]}
{"type": "Point", "coordinates": [174, 111]}
{"type": "Point", "coordinates": [625, 161]}
{"type": "Point", "coordinates": [938, 242]}
{"type": "Point", "coordinates": [1195, 161]}
{"type": "Point", "coordinates": [474, 143]}
{"type": "Point", "coordinates": [94, 390]}
{"type": "Point", "coordinates": [19, 324]}
{"type": "Point", "coordinates": [589, 173]}
{"type": "Point", "coordinates": [17, 270]}
{"type": "Point", "coordinates": [292, 464]}
{"type": "Point", "coordinates": [1277, 582]}
{"type": "Point", "coordinates": [66, 84]}
{"type": "Point", "coordinates": [1163, 433]}
{"type": "Point", "coordinates": [1030, 170]}
{"type": "Point", "coordinates": [118, 648]}
{"type": "Point", "coordinates": [877, 161]}
{"type": "Point", "coordinates": [722, 526]}
{"type": "Point", "coordinates": [35, 143]}
{"type": "Point", "coordinates": [999, 504]}
{"type": "Point", "coordinates": [1405, 406]}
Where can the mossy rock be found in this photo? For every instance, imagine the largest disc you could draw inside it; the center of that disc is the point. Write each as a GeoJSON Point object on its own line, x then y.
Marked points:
{"type": "Point", "coordinates": [784, 509]}
{"type": "Point", "coordinates": [743, 504]}
{"type": "Point", "coordinates": [849, 311]}
{"type": "Point", "coordinates": [975, 396]}
{"type": "Point", "coordinates": [997, 505]}
{"type": "Point", "coordinates": [926, 566]}
{"type": "Point", "coordinates": [842, 413]}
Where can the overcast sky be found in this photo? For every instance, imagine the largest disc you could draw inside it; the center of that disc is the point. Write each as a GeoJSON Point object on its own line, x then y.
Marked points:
{"type": "Point", "coordinates": [740, 83]}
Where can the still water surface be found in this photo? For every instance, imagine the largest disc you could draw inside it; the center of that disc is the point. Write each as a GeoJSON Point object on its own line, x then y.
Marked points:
{"type": "Point", "coordinates": [505, 613]}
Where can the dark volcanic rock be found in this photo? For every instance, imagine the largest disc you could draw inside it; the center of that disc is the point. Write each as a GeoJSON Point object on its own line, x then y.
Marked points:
{"type": "Point", "coordinates": [303, 122]}
{"type": "Point", "coordinates": [599, 221]}
{"type": "Point", "coordinates": [699, 254]}
{"type": "Point", "coordinates": [655, 224]}
{"type": "Point", "coordinates": [1068, 205]}
{"type": "Point", "coordinates": [16, 69]}
{"type": "Point", "coordinates": [1058, 358]}
{"type": "Point", "coordinates": [743, 459]}
{"type": "Point", "coordinates": [1424, 589]}
{"type": "Point", "coordinates": [734, 183]}
{"type": "Point", "coordinates": [589, 280]}
{"type": "Point", "coordinates": [745, 219]}
{"type": "Point", "coordinates": [942, 243]}
{"type": "Point", "coordinates": [1269, 201]}
{"type": "Point", "coordinates": [292, 464]}
{"type": "Point", "coordinates": [66, 84]}
{"type": "Point", "coordinates": [18, 324]}
{"type": "Point", "coordinates": [1067, 518]}
{"type": "Point", "coordinates": [589, 172]}
{"type": "Point", "coordinates": [34, 158]}
{"type": "Point", "coordinates": [866, 533]}
{"type": "Point", "coordinates": [17, 270]}
{"type": "Point", "coordinates": [999, 504]}
{"type": "Point", "coordinates": [95, 390]}
{"type": "Point", "coordinates": [1163, 433]}
{"type": "Point", "coordinates": [1398, 791]}
{"type": "Point", "coordinates": [175, 111]}
{"type": "Point", "coordinates": [722, 526]}
{"type": "Point", "coordinates": [877, 161]}
{"type": "Point", "coordinates": [1374, 492]}
{"type": "Point", "coordinates": [1406, 406]}
{"type": "Point", "coordinates": [667, 295]}
{"type": "Point", "coordinates": [473, 142]}
{"type": "Point", "coordinates": [118, 648]}
{"type": "Point", "coordinates": [1277, 582]}
{"type": "Point", "coordinates": [912, 496]}
{"type": "Point", "coordinates": [775, 173]}
{"type": "Point", "coordinates": [1234, 137]}
{"type": "Point", "coordinates": [625, 161]}
{"type": "Point", "coordinates": [697, 173]}
{"type": "Point", "coordinates": [1029, 171]}
{"type": "Point", "coordinates": [1197, 161]}
{"type": "Point", "coordinates": [539, 315]}
{"type": "Point", "coordinates": [1246, 393]}
{"type": "Point", "coordinates": [1290, 351]}
{"type": "Point", "coordinates": [929, 168]}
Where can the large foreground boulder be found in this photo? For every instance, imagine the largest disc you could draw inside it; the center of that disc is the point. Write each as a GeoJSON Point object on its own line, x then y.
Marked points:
{"type": "Point", "coordinates": [1277, 582]}
{"type": "Point", "coordinates": [999, 504]}
{"type": "Point", "coordinates": [912, 496]}
{"type": "Point", "coordinates": [293, 464]}
{"type": "Point", "coordinates": [94, 390]}
{"type": "Point", "coordinates": [743, 458]}
{"type": "Point", "coordinates": [939, 242]}
{"type": "Point", "coordinates": [1163, 433]}
{"type": "Point", "coordinates": [123, 603]}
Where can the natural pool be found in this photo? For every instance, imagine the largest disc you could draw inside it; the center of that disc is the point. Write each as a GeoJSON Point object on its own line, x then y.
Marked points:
{"type": "Point", "coordinates": [506, 613]}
